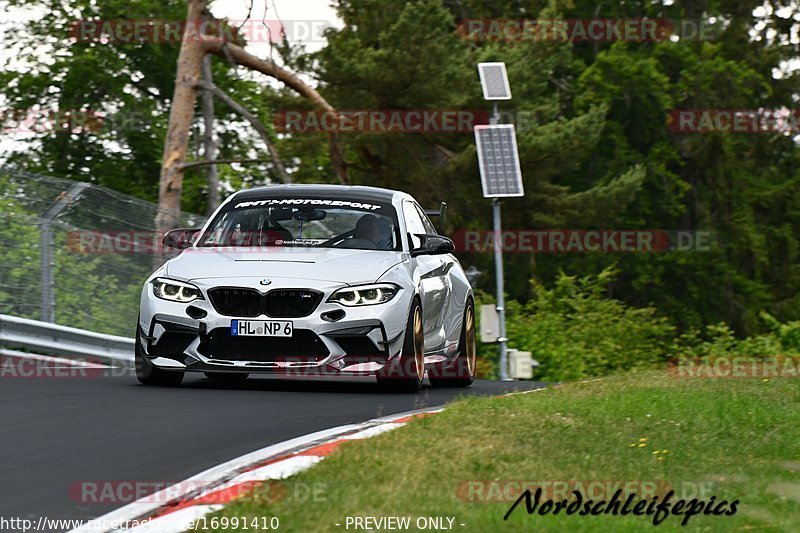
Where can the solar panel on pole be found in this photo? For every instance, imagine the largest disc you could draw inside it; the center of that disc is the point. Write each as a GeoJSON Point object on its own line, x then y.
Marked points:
{"type": "Point", "coordinates": [498, 161]}
{"type": "Point", "coordinates": [494, 81]}
{"type": "Point", "coordinates": [501, 176]}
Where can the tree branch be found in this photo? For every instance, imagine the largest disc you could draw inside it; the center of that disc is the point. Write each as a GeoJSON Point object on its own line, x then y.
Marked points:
{"type": "Point", "coordinates": [194, 164]}
{"type": "Point", "coordinates": [259, 127]}
{"type": "Point", "coordinates": [241, 57]}
{"type": "Point", "coordinates": [146, 90]}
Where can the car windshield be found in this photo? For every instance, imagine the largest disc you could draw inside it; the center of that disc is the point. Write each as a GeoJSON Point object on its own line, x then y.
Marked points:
{"type": "Point", "coordinates": [308, 222]}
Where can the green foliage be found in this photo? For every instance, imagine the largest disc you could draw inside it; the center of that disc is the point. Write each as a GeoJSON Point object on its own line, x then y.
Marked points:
{"type": "Point", "coordinates": [88, 294]}
{"type": "Point", "coordinates": [574, 331]}
{"type": "Point", "coordinates": [720, 340]}
{"type": "Point", "coordinates": [130, 84]}
{"type": "Point", "coordinates": [126, 80]}
{"type": "Point", "coordinates": [741, 187]}
{"type": "Point", "coordinates": [96, 286]}
{"type": "Point", "coordinates": [788, 334]}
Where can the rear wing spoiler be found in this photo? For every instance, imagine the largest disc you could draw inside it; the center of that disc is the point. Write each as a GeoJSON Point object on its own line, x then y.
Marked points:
{"type": "Point", "coordinates": [441, 213]}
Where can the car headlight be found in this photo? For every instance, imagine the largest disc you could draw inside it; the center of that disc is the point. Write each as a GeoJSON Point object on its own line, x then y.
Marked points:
{"type": "Point", "coordinates": [365, 295]}
{"type": "Point", "coordinates": [176, 291]}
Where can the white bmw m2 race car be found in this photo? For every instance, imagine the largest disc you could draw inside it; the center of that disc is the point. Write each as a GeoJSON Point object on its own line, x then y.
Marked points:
{"type": "Point", "coordinates": [309, 280]}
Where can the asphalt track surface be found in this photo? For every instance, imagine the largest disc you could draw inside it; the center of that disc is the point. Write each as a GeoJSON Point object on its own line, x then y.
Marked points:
{"type": "Point", "coordinates": [58, 433]}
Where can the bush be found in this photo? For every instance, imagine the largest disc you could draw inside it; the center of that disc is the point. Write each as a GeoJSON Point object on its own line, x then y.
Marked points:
{"type": "Point", "coordinates": [719, 340]}
{"type": "Point", "coordinates": [575, 331]}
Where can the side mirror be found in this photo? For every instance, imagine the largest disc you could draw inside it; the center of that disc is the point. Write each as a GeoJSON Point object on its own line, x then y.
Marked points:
{"type": "Point", "coordinates": [433, 245]}
{"type": "Point", "coordinates": [180, 238]}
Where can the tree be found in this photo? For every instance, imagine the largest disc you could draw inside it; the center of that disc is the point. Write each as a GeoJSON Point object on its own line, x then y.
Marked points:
{"type": "Point", "coordinates": [127, 86]}
{"type": "Point", "coordinates": [742, 187]}
{"type": "Point", "coordinates": [194, 47]}
{"type": "Point", "coordinates": [410, 56]}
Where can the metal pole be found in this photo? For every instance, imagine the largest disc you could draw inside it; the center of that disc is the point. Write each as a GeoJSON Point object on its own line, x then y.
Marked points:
{"type": "Point", "coordinates": [47, 307]}
{"type": "Point", "coordinates": [47, 303]}
{"type": "Point", "coordinates": [498, 267]}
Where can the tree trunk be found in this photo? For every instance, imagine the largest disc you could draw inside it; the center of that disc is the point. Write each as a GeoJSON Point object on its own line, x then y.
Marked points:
{"type": "Point", "coordinates": [209, 146]}
{"type": "Point", "coordinates": [181, 114]}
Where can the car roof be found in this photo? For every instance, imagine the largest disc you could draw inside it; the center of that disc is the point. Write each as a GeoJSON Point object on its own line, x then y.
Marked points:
{"type": "Point", "coordinates": [359, 192]}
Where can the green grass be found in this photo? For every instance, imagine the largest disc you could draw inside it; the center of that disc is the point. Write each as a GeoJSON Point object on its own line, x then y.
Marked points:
{"type": "Point", "coordinates": [739, 438]}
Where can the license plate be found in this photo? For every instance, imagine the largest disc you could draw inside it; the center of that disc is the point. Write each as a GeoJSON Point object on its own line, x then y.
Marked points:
{"type": "Point", "coordinates": [261, 328]}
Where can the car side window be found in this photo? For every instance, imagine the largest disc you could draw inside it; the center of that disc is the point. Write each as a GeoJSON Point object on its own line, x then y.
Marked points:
{"type": "Point", "coordinates": [414, 224]}
{"type": "Point", "coordinates": [430, 229]}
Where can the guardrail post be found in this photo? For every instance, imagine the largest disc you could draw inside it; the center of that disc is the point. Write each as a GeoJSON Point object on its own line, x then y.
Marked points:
{"type": "Point", "coordinates": [48, 302]}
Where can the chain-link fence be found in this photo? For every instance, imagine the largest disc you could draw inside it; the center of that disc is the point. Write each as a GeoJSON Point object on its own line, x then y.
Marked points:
{"type": "Point", "coordinates": [74, 253]}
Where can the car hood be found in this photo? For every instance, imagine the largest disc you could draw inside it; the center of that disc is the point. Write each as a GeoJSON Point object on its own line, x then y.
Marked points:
{"type": "Point", "coordinates": [323, 264]}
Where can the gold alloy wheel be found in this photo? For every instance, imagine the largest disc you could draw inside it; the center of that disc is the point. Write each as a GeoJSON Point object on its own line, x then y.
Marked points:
{"type": "Point", "coordinates": [471, 347]}
{"type": "Point", "coordinates": [419, 344]}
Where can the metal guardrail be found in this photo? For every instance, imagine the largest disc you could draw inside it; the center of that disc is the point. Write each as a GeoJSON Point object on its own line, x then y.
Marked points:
{"type": "Point", "coordinates": [51, 339]}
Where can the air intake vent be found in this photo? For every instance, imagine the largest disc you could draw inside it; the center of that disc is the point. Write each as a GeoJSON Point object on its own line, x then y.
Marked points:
{"type": "Point", "coordinates": [278, 303]}
{"type": "Point", "coordinates": [303, 346]}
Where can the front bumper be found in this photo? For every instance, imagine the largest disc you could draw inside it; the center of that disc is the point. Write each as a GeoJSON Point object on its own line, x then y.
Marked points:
{"type": "Point", "coordinates": [194, 337]}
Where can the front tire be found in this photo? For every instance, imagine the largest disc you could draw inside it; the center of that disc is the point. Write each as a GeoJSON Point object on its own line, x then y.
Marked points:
{"type": "Point", "coordinates": [462, 372]}
{"type": "Point", "coordinates": [406, 373]}
{"type": "Point", "coordinates": [147, 373]}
